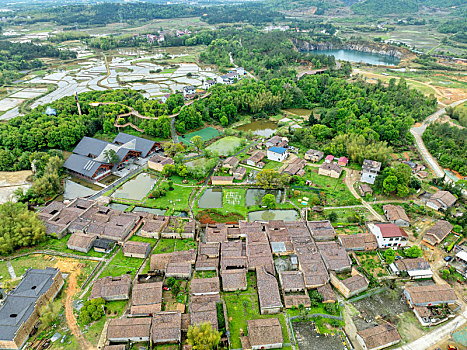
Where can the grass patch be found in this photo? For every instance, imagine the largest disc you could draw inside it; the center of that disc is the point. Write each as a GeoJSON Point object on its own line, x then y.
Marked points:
{"type": "Point", "coordinates": [176, 200]}
{"type": "Point", "coordinates": [205, 274]}
{"type": "Point", "coordinates": [121, 265]}
{"type": "Point", "coordinates": [233, 200]}
{"type": "Point", "coordinates": [168, 245]}
{"type": "Point", "coordinates": [225, 145]}
{"type": "Point", "coordinates": [244, 306]}
{"type": "Point", "coordinates": [135, 238]}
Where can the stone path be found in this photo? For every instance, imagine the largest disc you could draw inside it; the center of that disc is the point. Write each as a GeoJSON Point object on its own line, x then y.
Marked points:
{"type": "Point", "coordinates": [11, 270]}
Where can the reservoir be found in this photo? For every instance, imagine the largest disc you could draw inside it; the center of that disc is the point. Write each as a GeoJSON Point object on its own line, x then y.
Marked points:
{"type": "Point", "coordinates": [360, 57]}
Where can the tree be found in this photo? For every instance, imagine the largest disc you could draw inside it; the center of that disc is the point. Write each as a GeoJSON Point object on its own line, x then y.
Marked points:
{"type": "Point", "coordinates": [203, 337]}
{"type": "Point", "coordinates": [269, 201]}
{"type": "Point", "coordinates": [168, 170]}
{"type": "Point", "coordinates": [333, 216]}
{"type": "Point", "coordinates": [389, 256]}
{"type": "Point", "coordinates": [49, 314]}
{"type": "Point", "coordinates": [198, 142]}
{"type": "Point", "coordinates": [269, 178]}
{"type": "Point", "coordinates": [19, 227]}
{"type": "Point", "coordinates": [413, 252]}
{"type": "Point", "coordinates": [111, 156]}
{"type": "Point", "coordinates": [171, 148]}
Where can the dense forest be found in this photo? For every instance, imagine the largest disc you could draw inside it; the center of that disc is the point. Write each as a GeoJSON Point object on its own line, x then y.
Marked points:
{"type": "Point", "coordinates": [16, 57]}
{"type": "Point", "coordinates": [450, 143]}
{"type": "Point", "coordinates": [384, 7]}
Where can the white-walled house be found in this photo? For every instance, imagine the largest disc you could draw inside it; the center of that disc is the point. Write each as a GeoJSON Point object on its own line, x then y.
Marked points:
{"type": "Point", "coordinates": [278, 154]}
{"type": "Point", "coordinates": [388, 235]}
{"type": "Point", "coordinates": [370, 169]}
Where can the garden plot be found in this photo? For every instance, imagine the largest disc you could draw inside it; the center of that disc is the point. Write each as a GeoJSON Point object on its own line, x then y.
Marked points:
{"type": "Point", "coordinates": [384, 304]}
{"type": "Point", "coordinates": [233, 198]}
{"type": "Point", "coordinates": [309, 339]}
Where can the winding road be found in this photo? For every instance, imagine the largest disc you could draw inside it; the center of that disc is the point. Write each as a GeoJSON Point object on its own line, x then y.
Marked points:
{"type": "Point", "coordinates": [417, 132]}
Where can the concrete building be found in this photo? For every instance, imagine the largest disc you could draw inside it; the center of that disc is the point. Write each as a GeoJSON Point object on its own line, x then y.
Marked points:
{"type": "Point", "coordinates": [415, 268]}
{"type": "Point", "coordinates": [388, 235]}
{"type": "Point", "coordinates": [255, 158]}
{"type": "Point", "coordinates": [157, 162]}
{"type": "Point", "coordinates": [277, 154]}
{"type": "Point", "coordinates": [313, 155]}
{"type": "Point", "coordinates": [370, 169]}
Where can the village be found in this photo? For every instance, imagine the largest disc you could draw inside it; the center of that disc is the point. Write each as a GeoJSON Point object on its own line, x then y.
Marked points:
{"type": "Point", "coordinates": [256, 280]}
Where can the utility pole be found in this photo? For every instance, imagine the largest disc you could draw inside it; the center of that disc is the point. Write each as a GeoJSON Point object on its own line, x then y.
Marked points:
{"type": "Point", "coordinates": [77, 103]}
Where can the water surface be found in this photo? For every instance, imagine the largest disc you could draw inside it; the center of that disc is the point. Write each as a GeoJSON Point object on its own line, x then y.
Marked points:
{"type": "Point", "coordinates": [261, 127]}
{"type": "Point", "coordinates": [74, 190]}
{"type": "Point", "coordinates": [359, 56]}
{"type": "Point", "coordinates": [136, 188]}
{"type": "Point", "coordinates": [151, 210]}
{"type": "Point", "coordinates": [254, 196]}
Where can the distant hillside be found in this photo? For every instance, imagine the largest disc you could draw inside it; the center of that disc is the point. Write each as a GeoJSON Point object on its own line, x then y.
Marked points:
{"type": "Point", "coordinates": [406, 7]}
{"type": "Point", "coordinates": [385, 7]}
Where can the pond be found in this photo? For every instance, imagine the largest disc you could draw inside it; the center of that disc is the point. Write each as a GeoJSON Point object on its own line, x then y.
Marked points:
{"type": "Point", "coordinates": [211, 198]}
{"type": "Point", "coordinates": [276, 214]}
{"type": "Point", "coordinates": [136, 188]}
{"type": "Point", "coordinates": [74, 190]}
{"type": "Point", "coordinates": [118, 206]}
{"type": "Point", "coordinates": [150, 210]}
{"type": "Point", "coordinates": [254, 196]}
{"type": "Point", "coordinates": [262, 127]}
{"type": "Point", "coordinates": [225, 145]}
{"type": "Point", "coordinates": [359, 56]}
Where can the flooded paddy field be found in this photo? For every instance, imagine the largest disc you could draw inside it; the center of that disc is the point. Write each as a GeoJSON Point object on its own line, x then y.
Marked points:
{"type": "Point", "coordinates": [211, 198]}
{"type": "Point", "coordinates": [275, 214]}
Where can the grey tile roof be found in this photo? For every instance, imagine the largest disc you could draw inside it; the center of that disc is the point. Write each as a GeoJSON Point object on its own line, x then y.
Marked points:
{"type": "Point", "coordinates": [89, 145]}
{"type": "Point", "coordinates": [82, 165]}
{"type": "Point", "coordinates": [141, 145]}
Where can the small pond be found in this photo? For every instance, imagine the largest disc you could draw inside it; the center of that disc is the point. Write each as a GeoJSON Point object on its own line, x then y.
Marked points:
{"type": "Point", "coordinates": [254, 196]}
{"type": "Point", "coordinates": [118, 206]}
{"type": "Point", "coordinates": [276, 214]}
{"type": "Point", "coordinates": [136, 188]}
{"type": "Point", "coordinates": [262, 127]}
{"type": "Point", "coordinates": [359, 56]}
{"type": "Point", "coordinates": [74, 190]}
{"type": "Point", "coordinates": [225, 145]}
{"type": "Point", "coordinates": [151, 210]}
{"type": "Point", "coordinates": [211, 198]}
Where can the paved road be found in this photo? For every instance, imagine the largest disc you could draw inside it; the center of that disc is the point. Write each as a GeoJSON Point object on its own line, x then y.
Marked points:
{"type": "Point", "coordinates": [418, 131]}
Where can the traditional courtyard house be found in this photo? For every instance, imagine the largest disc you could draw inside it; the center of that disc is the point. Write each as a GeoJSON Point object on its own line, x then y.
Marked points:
{"type": "Point", "coordinates": [22, 307]}
{"type": "Point", "coordinates": [327, 293]}
{"type": "Point", "coordinates": [292, 281]}
{"type": "Point", "coordinates": [277, 141]}
{"type": "Point", "coordinates": [146, 299]}
{"type": "Point", "coordinates": [330, 169]}
{"type": "Point", "coordinates": [112, 288]}
{"type": "Point", "coordinates": [441, 200]}
{"type": "Point", "coordinates": [435, 234]}
{"type": "Point", "coordinates": [123, 330]}
{"type": "Point", "coordinates": [350, 286]}
{"type": "Point", "coordinates": [222, 180]}
{"type": "Point", "coordinates": [205, 286]}
{"type": "Point", "coordinates": [268, 292]}
{"type": "Point", "coordinates": [379, 337]}
{"type": "Point", "coordinates": [157, 162]}
{"type": "Point", "coordinates": [133, 249]}
{"type": "Point", "coordinates": [153, 227]}
{"type": "Point", "coordinates": [396, 214]}
{"type": "Point", "coordinates": [208, 257]}
{"type": "Point", "coordinates": [342, 161]}
{"type": "Point", "coordinates": [230, 163]}
{"type": "Point", "coordinates": [239, 173]}
{"type": "Point", "coordinates": [255, 158]}
{"type": "Point", "coordinates": [264, 334]}
{"type": "Point", "coordinates": [334, 255]}
{"type": "Point", "coordinates": [233, 280]}
{"type": "Point", "coordinates": [414, 268]}
{"type": "Point", "coordinates": [295, 167]}
{"type": "Point", "coordinates": [80, 242]}
{"type": "Point", "coordinates": [358, 242]}
{"type": "Point", "coordinates": [166, 328]}
{"type": "Point", "coordinates": [388, 235]}
{"type": "Point", "coordinates": [203, 309]}
{"type": "Point", "coordinates": [321, 230]}
{"type": "Point", "coordinates": [313, 155]}
{"type": "Point", "coordinates": [430, 295]}
{"type": "Point", "coordinates": [370, 169]}
{"type": "Point", "coordinates": [278, 154]}
{"type": "Point", "coordinates": [364, 189]}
